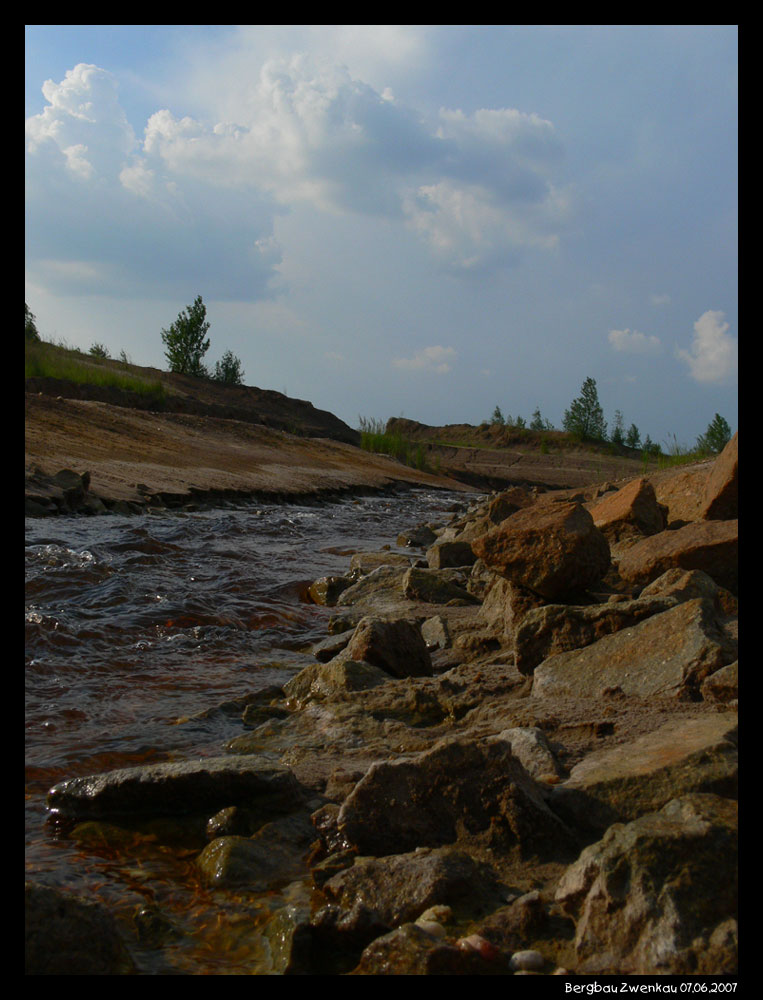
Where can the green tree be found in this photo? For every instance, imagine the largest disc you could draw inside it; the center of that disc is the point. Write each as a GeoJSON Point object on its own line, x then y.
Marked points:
{"type": "Point", "coordinates": [30, 325]}
{"type": "Point", "coordinates": [229, 370]}
{"type": "Point", "coordinates": [618, 434]}
{"type": "Point", "coordinates": [716, 437]}
{"type": "Point", "coordinates": [497, 417]}
{"type": "Point", "coordinates": [538, 423]}
{"type": "Point", "coordinates": [99, 351]}
{"type": "Point", "coordinates": [650, 447]}
{"type": "Point", "coordinates": [184, 342]}
{"type": "Point", "coordinates": [633, 438]}
{"type": "Point", "coordinates": [585, 417]}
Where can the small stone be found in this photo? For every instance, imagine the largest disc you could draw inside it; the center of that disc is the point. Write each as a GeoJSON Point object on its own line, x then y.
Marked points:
{"type": "Point", "coordinates": [527, 961]}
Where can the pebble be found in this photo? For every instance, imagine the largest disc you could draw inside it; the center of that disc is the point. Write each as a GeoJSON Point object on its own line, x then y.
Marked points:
{"type": "Point", "coordinates": [527, 961]}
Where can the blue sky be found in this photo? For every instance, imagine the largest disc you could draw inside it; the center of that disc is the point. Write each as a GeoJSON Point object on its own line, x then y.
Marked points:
{"type": "Point", "coordinates": [416, 220]}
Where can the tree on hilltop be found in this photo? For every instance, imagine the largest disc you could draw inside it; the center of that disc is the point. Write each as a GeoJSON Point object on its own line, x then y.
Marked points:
{"type": "Point", "coordinates": [30, 325]}
{"type": "Point", "coordinates": [585, 417]}
{"type": "Point", "coordinates": [229, 370]}
{"type": "Point", "coordinates": [184, 342]}
{"type": "Point", "coordinates": [716, 437]}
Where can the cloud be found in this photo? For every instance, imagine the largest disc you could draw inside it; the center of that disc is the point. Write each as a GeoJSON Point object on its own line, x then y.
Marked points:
{"type": "Point", "coordinates": [660, 299]}
{"type": "Point", "coordinates": [712, 357]}
{"type": "Point", "coordinates": [633, 342]}
{"type": "Point", "coordinates": [192, 200]}
{"type": "Point", "coordinates": [431, 359]}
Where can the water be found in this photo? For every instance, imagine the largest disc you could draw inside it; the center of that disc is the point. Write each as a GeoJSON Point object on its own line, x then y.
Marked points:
{"type": "Point", "coordinates": [135, 623]}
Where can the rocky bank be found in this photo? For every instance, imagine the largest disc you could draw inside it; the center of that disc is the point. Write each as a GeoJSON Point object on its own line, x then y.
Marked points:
{"type": "Point", "coordinates": [514, 754]}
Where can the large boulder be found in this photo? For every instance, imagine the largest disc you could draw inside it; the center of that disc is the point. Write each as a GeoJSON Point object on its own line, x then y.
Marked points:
{"type": "Point", "coordinates": [668, 654]}
{"type": "Point", "coordinates": [178, 788]}
{"type": "Point", "coordinates": [623, 782]}
{"type": "Point", "coordinates": [458, 788]}
{"type": "Point", "coordinates": [712, 546]}
{"type": "Point", "coordinates": [658, 895]}
{"type": "Point", "coordinates": [553, 549]}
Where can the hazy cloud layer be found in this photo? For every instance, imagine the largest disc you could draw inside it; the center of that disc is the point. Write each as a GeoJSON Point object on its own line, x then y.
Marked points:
{"type": "Point", "coordinates": [430, 359]}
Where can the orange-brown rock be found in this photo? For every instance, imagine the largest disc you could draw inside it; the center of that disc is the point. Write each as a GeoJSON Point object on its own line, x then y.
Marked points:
{"type": "Point", "coordinates": [631, 510]}
{"type": "Point", "coordinates": [553, 549]}
{"type": "Point", "coordinates": [721, 499]}
{"type": "Point", "coordinates": [712, 546]}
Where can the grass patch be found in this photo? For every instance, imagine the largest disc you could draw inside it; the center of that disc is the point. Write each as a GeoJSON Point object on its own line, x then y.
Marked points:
{"type": "Point", "coordinates": [374, 437]}
{"type": "Point", "coordinates": [46, 360]}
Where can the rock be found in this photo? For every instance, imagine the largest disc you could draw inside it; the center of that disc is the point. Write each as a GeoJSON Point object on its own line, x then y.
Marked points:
{"type": "Point", "coordinates": [530, 746]}
{"type": "Point", "coordinates": [436, 633]}
{"type": "Point", "coordinates": [684, 584]}
{"type": "Point", "coordinates": [290, 938]}
{"type": "Point", "coordinates": [198, 786]}
{"type": "Point", "coordinates": [327, 589]}
{"type": "Point", "coordinates": [711, 546]}
{"type": "Point", "coordinates": [504, 607]}
{"type": "Point", "coordinates": [385, 579]}
{"type": "Point", "coordinates": [65, 935]}
{"type": "Point", "coordinates": [668, 654]}
{"type": "Point", "coordinates": [723, 685]}
{"type": "Point", "coordinates": [400, 888]}
{"type": "Point", "coordinates": [272, 856]}
{"type": "Point", "coordinates": [557, 628]}
{"type": "Point", "coordinates": [411, 951]}
{"type": "Point", "coordinates": [327, 680]}
{"type": "Point", "coordinates": [459, 787]}
{"type": "Point", "coordinates": [397, 647]}
{"type": "Point", "coordinates": [442, 555]}
{"type": "Point", "coordinates": [366, 562]}
{"type": "Point", "coordinates": [642, 775]}
{"type": "Point", "coordinates": [631, 510]}
{"type": "Point", "coordinates": [721, 495]}
{"type": "Point", "coordinates": [648, 895]}
{"type": "Point", "coordinates": [430, 587]}
{"type": "Point", "coordinates": [419, 537]}
{"type": "Point", "coordinates": [552, 549]}
{"type": "Point", "coordinates": [331, 646]}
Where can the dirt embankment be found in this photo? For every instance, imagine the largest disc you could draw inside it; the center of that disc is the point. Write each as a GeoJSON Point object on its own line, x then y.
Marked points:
{"type": "Point", "coordinates": [198, 438]}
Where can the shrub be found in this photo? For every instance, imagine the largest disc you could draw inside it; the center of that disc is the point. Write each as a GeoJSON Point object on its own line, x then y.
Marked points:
{"type": "Point", "coordinates": [229, 370]}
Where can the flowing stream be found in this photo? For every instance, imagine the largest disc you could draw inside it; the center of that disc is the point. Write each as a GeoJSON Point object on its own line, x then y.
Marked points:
{"type": "Point", "coordinates": [133, 624]}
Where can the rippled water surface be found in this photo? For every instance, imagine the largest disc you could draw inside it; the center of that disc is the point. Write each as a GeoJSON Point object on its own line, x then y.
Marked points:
{"type": "Point", "coordinates": [135, 623]}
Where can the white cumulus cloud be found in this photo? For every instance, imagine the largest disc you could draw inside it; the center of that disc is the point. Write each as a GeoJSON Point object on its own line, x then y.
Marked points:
{"type": "Point", "coordinates": [633, 342]}
{"type": "Point", "coordinates": [432, 359]}
{"type": "Point", "coordinates": [712, 356]}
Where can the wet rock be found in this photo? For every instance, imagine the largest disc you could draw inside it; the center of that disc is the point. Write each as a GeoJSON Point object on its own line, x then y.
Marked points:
{"type": "Point", "coordinates": [199, 786]}
{"type": "Point", "coordinates": [668, 654]}
{"type": "Point", "coordinates": [65, 935]}
{"type": "Point", "coordinates": [458, 788]}
{"type": "Point", "coordinates": [274, 855]}
{"type": "Point", "coordinates": [396, 647]}
{"type": "Point", "coordinates": [328, 589]}
{"type": "Point", "coordinates": [290, 938]}
{"type": "Point", "coordinates": [411, 951]}
{"type": "Point", "coordinates": [420, 537]}
{"type": "Point", "coordinates": [642, 775]}
{"type": "Point", "coordinates": [711, 546]}
{"type": "Point", "coordinates": [649, 894]}
{"type": "Point", "coordinates": [553, 549]}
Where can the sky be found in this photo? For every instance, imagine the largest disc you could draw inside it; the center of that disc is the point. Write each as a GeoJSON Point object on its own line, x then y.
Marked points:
{"type": "Point", "coordinates": [425, 221]}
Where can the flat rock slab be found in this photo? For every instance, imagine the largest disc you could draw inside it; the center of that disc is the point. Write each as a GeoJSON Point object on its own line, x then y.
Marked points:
{"type": "Point", "coordinates": [669, 654]}
{"type": "Point", "coordinates": [182, 788]}
{"type": "Point", "coordinates": [619, 784]}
